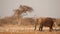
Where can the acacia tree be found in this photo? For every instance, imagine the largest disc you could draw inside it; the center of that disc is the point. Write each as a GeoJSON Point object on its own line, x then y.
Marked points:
{"type": "Point", "coordinates": [22, 9]}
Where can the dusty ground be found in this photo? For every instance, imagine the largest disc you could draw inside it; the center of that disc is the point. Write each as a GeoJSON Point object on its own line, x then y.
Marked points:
{"type": "Point", "coordinates": [31, 32]}
{"type": "Point", "coordinates": [24, 30]}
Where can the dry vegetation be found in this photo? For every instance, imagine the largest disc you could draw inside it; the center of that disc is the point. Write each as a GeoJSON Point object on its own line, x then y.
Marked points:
{"type": "Point", "coordinates": [17, 25]}
{"type": "Point", "coordinates": [29, 32]}
{"type": "Point", "coordinates": [14, 29]}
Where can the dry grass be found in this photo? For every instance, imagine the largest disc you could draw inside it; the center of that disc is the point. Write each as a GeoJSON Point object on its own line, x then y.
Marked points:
{"type": "Point", "coordinates": [27, 31]}
{"type": "Point", "coordinates": [30, 32]}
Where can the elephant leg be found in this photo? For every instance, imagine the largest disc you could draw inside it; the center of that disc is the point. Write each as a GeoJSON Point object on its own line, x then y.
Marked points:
{"type": "Point", "coordinates": [40, 27]}
{"type": "Point", "coordinates": [35, 27]}
{"type": "Point", "coordinates": [51, 28]}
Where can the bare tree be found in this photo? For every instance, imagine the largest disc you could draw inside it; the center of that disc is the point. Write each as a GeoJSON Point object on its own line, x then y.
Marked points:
{"type": "Point", "coordinates": [22, 9]}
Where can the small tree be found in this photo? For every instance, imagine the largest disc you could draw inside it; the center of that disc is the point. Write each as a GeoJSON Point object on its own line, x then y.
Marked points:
{"type": "Point", "coordinates": [22, 9]}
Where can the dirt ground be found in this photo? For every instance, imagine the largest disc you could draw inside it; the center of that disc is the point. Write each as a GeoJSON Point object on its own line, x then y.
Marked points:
{"type": "Point", "coordinates": [31, 32]}
{"type": "Point", "coordinates": [24, 30]}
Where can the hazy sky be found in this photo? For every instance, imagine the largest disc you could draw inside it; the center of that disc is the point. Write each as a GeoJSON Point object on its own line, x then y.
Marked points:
{"type": "Point", "coordinates": [42, 8]}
